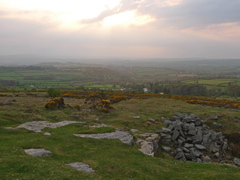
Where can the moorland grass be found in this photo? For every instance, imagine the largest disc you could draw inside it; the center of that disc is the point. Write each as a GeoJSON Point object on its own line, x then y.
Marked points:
{"type": "Point", "coordinates": [111, 159]}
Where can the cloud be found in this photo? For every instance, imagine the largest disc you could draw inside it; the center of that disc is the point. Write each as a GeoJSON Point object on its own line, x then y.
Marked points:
{"type": "Point", "coordinates": [123, 6]}
{"type": "Point", "coordinates": [197, 13]}
{"type": "Point", "coordinates": [182, 14]}
{"type": "Point", "coordinates": [101, 16]}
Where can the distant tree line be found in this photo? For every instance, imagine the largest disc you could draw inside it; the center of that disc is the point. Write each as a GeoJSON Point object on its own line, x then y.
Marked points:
{"type": "Point", "coordinates": [185, 89]}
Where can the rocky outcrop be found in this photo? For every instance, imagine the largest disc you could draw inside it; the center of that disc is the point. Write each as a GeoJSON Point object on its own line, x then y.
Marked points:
{"type": "Point", "coordinates": [123, 136]}
{"type": "Point", "coordinates": [38, 152]}
{"type": "Point", "coordinates": [80, 166]}
{"type": "Point", "coordinates": [149, 143]}
{"type": "Point", "coordinates": [192, 140]}
{"type": "Point", "coordinates": [38, 126]}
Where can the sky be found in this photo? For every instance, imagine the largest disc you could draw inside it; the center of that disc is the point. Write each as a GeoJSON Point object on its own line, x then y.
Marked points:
{"type": "Point", "coordinates": [121, 28]}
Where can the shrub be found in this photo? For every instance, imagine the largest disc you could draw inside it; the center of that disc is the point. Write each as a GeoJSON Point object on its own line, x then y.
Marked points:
{"type": "Point", "coordinates": [55, 103]}
{"type": "Point", "coordinates": [105, 105]}
{"type": "Point", "coordinates": [53, 92]}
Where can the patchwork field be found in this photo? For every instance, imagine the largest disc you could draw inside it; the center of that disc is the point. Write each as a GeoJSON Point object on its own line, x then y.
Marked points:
{"type": "Point", "coordinates": [214, 82]}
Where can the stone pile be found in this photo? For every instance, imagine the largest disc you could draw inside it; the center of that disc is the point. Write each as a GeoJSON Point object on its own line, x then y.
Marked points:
{"type": "Point", "coordinates": [192, 140]}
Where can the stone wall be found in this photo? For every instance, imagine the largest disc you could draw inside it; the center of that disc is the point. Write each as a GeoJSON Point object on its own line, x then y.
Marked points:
{"type": "Point", "coordinates": [189, 139]}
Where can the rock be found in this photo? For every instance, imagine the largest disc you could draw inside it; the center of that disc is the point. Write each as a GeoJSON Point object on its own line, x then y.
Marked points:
{"type": "Point", "coordinates": [214, 147]}
{"type": "Point", "coordinates": [216, 155]}
{"type": "Point", "coordinates": [191, 126]}
{"type": "Point", "coordinates": [192, 132]}
{"type": "Point", "coordinates": [166, 149]}
{"type": "Point", "coordinates": [152, 120]}
{"type": "Point", "coordinates": [147, 148]}
{"type": "Point", "coordinates": [194, 116]}
{"type": "Point", "coordinates": [163, 135]}
{"type": "Point", "coordinates": [133, 130]}
{"type": "Point", "coordinates": [152, 137]}
{"type": "Point", "coordinates": [198, 122]}
{"type": "Point", "coordinates": [174, 118]}
{"type": "Point", "coordinates": [185, 150]}
{"type": "Point", "coordinates": [136, 117]}
{"type": "Point", "coordinates": [175, 135]}
{"type": "Point", "coordinates": [200, 147]}
{"type": "Point", "coordinates": [199, 136]}
{"type": "Point", "coordinates": [38, 126]}
{"type": "Point", "coordinates": [188, 145]}
{"type": "Point", "coordinates": [139, 141]}
{"type": "Point", "coordinates": [218, 125]}
{"type": "Point", "coordinates": [197, 160]}
{"type": "Point", "coordinates": [9, 128]}
{"type": "Point", "coordinates": [170, 127]}
{"type": "Point", "coordinates": [47, 134]}
{"type": "Point", "coordinates": [182, 138]}
{"type": "Point", "coordinates": [81, 167]}
{"type": "Point", "coordinates": [166, 140]}
{"type": "Point", "coordinates": [214, 117]}
{"type": "Point", "coordinates": [218, 135]}
{"type": "Point", "coordinates": [188, 119]}
{"type": "Point", "coordinates": [100, 125]}
{"type": "Point", "coordinates": [164, 130]}
{"type": "Point", "coordinates": [179, 150]}
{"type": "Point", "coordinates": [164, 119]}
{"type": "Point", "coordinates": [206, 139]}
{"type": "Point", "coordinates": [38, 152]}
{"type": "Point", "coordinates": [125, 137]}
{"type": "Point", "coordinates": [96, 120]}
{"type": "Point", "coordinates": [167, 122]}
{"type": "Point", "coordinates": [180, 156]}
{"type": "Point", "coordinates": [206, 159]}
{"type": "Point", "coordinates": [188, 156]}
{"type": "Point", "coordinates": [145, 135]}
{"type": "Point", "coordinates": [236, 161]}
{"type": "Point", "coordinates": [194, 152]}
{"type": "Point", "coordinates": [181, 116]}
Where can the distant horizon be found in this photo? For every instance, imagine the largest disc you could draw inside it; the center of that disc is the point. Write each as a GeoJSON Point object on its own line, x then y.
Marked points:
{"type": "Point", "coordinates": [110, 58]}
{"type": "Point", "coordinates": [30, 59]}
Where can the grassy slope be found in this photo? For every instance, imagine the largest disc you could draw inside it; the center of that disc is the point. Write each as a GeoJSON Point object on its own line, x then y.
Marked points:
{"type": "Point", "coordinates": [110, 158]}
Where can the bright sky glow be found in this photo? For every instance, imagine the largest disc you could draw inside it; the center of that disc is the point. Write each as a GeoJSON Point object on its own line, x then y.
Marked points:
{"type": "Point", "coordinates": [127, 18]}
{"type": "Point", "coordinates": [67, 11]}
{"type": "Point", "coordinates": [121, 28]}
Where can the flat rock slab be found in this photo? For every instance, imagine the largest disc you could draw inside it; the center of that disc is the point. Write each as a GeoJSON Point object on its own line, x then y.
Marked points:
{"type": "Point", "coordinates": [133, 130]}
{"type": "Point", "coordinates": [136, 117]}
{"type": "Point", "coordinates": [38, 126]}
{"type": "Point", "coordinates": [125, 137]}
{"type": "Point", "coordinates": [38, 152]}
{"type": "Point", "coordinates": [80, 166]}
{"type": "Point", "coordinates": [99, 126]}
{"type": "Point", "coordinates": [146, 147]}
{"type": "Point", "coordinates": [47, 134]}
